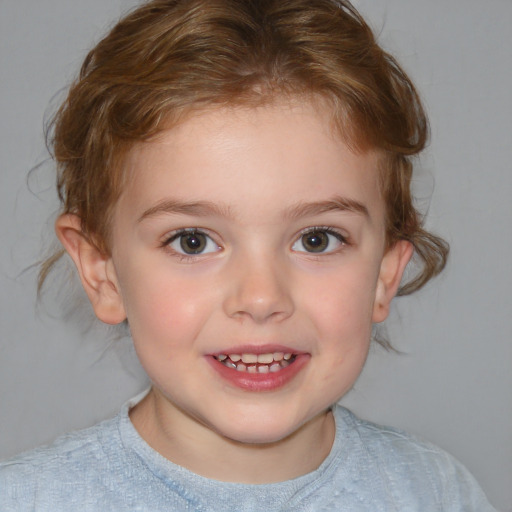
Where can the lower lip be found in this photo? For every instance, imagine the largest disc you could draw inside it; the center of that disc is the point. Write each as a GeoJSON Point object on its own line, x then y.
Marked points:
{"type": "Point", "coordinates": [260, 381]}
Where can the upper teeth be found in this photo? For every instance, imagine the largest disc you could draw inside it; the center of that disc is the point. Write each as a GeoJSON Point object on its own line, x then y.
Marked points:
{"type": "Point", "coordinates": [256, 358]}
{"type": "Point", "coordinates": [248, 362]}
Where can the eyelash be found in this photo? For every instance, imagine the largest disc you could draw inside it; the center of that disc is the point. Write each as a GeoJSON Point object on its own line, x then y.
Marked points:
{"type": "Point", "coordinates": [342, 239]}
{"type": "Point", "coordinates": [168, 241]}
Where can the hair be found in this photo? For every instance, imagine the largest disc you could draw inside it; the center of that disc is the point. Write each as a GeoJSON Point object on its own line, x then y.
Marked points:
{"type": "Point", "coordinates": [169, 58]}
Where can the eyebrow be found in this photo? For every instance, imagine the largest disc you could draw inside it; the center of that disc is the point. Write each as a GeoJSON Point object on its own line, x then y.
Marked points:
{"type": "Point", "coordinates": [195, 208]}
{"type": "Point", "coordinates": [336, 203]}
{"type": "Point", "coordinates": [208, 208]}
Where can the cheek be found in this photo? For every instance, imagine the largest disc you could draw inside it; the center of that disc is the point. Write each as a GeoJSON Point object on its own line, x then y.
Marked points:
{"type": "Point", "coordinates": [344, 325]}
{"type": "Point", "coordinates": [343, 301]}
{"type": "Point", "coordinates": [166, 311]}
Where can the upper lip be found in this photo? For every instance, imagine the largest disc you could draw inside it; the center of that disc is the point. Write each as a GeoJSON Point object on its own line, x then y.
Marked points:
{"type": "Point", "coordinates": [258, 349]}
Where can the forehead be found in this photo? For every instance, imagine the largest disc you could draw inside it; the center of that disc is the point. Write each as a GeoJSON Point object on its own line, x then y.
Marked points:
{"type": "Point", "coordinates": [242, 157]}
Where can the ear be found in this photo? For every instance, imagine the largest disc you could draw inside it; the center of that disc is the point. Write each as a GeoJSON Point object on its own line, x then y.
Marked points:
{"type": "Point", "coordinates": [96, 270]}
{"type": "Point", "coordinates": [391, 270]}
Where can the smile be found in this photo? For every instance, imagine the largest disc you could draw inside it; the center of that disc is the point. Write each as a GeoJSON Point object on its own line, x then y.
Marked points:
{"type": "Point", "coordinates": [257, 363]}
{"type": "Point", "coordinates": [259, 371]}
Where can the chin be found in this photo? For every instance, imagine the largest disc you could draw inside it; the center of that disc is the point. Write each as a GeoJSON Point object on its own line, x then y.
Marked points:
{"type": "Point", "coordinates": [260, 431]}
{"type": "Point", "coordinates": [258, 437]}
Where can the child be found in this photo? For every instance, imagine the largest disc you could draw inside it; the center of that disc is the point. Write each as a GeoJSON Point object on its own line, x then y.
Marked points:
{"type": "Point", "coordinates": [235, 185]}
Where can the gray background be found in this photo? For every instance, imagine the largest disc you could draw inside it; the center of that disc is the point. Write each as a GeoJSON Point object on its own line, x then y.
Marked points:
{"type": "Point", "coordinates": [452, 385]}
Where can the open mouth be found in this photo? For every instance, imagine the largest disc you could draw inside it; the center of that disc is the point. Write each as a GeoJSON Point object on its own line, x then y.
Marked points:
{"type": "Point", "coordinates": [257, 363]}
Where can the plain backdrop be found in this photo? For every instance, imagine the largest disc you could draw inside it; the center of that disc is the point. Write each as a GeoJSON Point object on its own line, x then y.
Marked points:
{"type": "Point", "coordinates": [452, 384]}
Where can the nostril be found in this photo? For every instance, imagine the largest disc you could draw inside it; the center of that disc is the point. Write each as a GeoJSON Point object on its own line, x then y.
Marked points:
{"type": "Point", "coordinates": [258, 291]}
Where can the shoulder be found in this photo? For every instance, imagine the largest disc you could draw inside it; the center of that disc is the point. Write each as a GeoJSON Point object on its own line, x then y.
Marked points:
{"type": "Point", "coordinates": [400, 451]}
{"type": "Point", "coordinates": [62, 467]}
{"type": "Point", "coordinates": [395, 445]}
{"type": "Point", "coordinates": [406, 465]}
{"type": "Point", "coordinates": [66, 451]}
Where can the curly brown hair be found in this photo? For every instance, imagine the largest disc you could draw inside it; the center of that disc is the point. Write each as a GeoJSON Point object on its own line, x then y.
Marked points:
{"type": "Point", "coordinates": [168, 58]}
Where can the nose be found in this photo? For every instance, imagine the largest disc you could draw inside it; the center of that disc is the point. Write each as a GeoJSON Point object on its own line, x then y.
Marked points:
{"type": "Point", "coordinates": [260, 290]}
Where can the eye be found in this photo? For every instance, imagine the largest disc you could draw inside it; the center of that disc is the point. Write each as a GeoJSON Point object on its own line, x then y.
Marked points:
{"type": "Point", "coordinates": [319, 240]}
{"type": "Point", "coordinates": [191, 242]}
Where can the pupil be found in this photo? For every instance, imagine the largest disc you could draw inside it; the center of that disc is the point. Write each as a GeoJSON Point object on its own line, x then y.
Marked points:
{"type": "Point", "coordinates": [193, 243]}
{"type": "Point", "coordinates": [316, 241]}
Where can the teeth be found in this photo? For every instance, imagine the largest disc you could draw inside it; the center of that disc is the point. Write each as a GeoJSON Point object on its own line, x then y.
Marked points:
{"type": "Point", "coordinates": [257, 363]}
{"type": "Point", "coordinates": [265, 358]}
{"type": "Point", "coordinates": [249, 358]}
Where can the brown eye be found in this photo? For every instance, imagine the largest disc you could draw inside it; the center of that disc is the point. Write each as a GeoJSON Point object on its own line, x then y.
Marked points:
{"type": "Point", "coordinates": [315, 241]}
{"type": "Point", "coordinates": [318, 240]}
{"type": "Point", "coordinates": [189, 242]}
{"type": "Point", "coordinates": [193, 243]}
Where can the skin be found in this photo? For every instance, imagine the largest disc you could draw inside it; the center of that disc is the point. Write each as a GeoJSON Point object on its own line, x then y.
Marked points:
{"type": "Point", "coordinates": [256, 284]}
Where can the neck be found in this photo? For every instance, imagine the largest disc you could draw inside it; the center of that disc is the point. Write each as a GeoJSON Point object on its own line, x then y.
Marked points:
{"type": "Point", "coordinates": [207, 453]}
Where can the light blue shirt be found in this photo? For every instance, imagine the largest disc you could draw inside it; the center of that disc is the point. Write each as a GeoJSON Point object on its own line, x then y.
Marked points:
{"type": "Point", "coordinates": [109, 467]}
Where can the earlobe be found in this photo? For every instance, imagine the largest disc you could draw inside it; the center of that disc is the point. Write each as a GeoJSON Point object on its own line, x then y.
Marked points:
{"type": "Point", "coordinates": [96, 270]}
{"type": "Point", "coordinates": [391, 270]}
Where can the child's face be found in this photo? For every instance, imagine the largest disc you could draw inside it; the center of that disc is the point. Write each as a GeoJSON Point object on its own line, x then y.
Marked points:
{"type": "Point", "coordinates": [251, 232]}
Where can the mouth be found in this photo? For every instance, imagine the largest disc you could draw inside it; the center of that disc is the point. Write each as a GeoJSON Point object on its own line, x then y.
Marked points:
{"type": "Point", "coordinates": [271, 362]}
{"type": "Point", "coordinates": [261, 370]}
